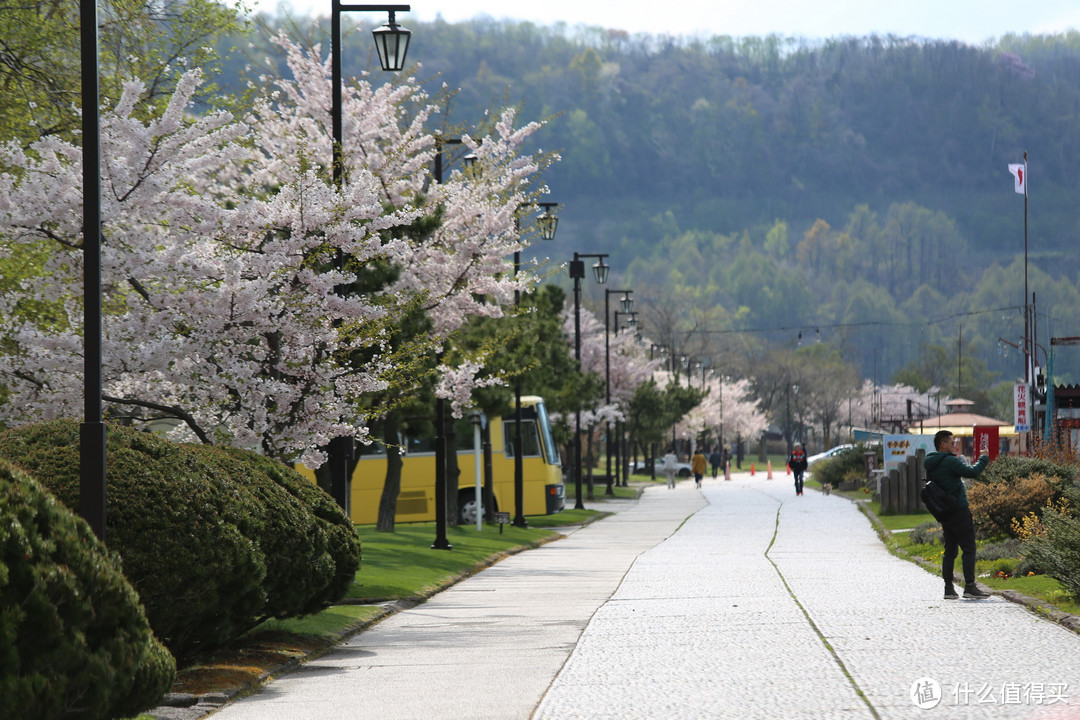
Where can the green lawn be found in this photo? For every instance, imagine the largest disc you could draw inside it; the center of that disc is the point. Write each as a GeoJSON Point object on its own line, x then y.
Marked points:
{"type": "Point", "coordinates": [402, 563]}
{"type": "Point", "coordinates": [1040, 587]}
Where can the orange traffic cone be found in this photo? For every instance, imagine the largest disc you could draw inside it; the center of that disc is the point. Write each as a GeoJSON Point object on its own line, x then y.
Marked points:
{"type": "Point", "coordinates": [751, 469]}
{"type": "Point", "coordinates": [769, 476]}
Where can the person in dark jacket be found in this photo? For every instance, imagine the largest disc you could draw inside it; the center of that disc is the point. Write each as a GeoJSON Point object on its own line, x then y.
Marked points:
{"type": "Point", "coordinates": [797, 462]}
{"type": "Point", "coordinates": [716, 459]}
{"type": "Point", "coordinates": [948, 471]}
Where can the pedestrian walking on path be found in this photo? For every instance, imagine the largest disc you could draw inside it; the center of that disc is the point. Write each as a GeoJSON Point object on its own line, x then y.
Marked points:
{"type": "Point", "coordinates": [671, 466]}
{"type": "Point", "coordinates": [798, 463]}
{"type": "Point", "coordinates": [697, 466]}
{"type": "Point", "coordinates": [716, 459]}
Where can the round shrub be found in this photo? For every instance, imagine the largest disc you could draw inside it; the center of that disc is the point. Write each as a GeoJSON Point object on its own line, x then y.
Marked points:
{"type": "Point", "coordinates": [74, 642]}
{"type": "Point", "coordinates": [845, 465]}
{"type": "Point", "coordinates": [1008, 549]}
{"type": "Point", "coordinates": [175, 525]}
{"type": "Point", "coordinates": [926, 533]}
{"type": "Point", "coordinates": [213, 539]}
{"type": "Point", "coordinates": [311, 549]}
{"type": "Point", "coordinates": [342, 543]}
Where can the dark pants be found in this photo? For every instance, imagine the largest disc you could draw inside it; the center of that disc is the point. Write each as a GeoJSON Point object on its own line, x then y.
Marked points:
{"type": "Point", "coordinates": [798, 480]}
{"type": "Point", "coordinates": [958, 532]}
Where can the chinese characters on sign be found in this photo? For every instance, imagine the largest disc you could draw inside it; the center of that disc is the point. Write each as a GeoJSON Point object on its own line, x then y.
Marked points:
{"type": "Point", "coordinates": [927, 693]}
{"type": "Point", "coordinates": [986, 440]}
{"type": "Point", "coordinates": [1010, 694]}
{"type": "Point", "coordinates": [1022, 407]}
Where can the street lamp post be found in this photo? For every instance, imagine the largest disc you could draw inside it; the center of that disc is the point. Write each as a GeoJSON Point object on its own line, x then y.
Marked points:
{"type": "Point", "coordinates": [92, 433]}
{"type": "Point", "coordinates": [627, 306]}
{"type": "Point", "coordinates": [548, 222]}
{"type": "Point", "coordinates": [577, 272]}
{"type": "Point", "coordinates": [661, 350]}
{"type": "Point", "coordinates": [441, 541]}
{"type": "Point", "coordinates": [392, 43]}
{"type": "Point", "coordinates": [622, 472]}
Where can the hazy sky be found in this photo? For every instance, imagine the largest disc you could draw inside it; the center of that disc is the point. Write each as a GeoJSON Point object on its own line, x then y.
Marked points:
{"type": "Point", "coordinates": [972, 21]}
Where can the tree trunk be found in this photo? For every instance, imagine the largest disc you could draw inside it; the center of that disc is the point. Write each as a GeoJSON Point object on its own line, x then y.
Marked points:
{"type": "Point", "coordinates": [392, 485]}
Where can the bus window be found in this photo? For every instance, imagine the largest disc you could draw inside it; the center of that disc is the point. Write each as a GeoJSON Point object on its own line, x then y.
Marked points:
{"type": "Point", "coordinates": [530, 443]}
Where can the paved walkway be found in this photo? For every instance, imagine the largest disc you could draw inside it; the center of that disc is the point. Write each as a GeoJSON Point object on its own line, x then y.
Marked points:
{"type": "Point", "coordinates": [760, 605]}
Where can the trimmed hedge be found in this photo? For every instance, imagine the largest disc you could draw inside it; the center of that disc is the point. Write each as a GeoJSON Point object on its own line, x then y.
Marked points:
{"type": "Point", "coordinates": [74, 642]}
{"type": "Point", "coordinates": [214, 540]}
{"type": "Point", "coordinates": [1011, 468]}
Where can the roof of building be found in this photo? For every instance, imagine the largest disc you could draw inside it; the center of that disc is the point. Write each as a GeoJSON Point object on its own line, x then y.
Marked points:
{"type": "Point", "coordinates": [960, 423]}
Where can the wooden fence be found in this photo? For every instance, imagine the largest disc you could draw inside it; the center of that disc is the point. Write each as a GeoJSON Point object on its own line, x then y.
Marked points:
{"type": "Point", "coordinates": [899, 488]}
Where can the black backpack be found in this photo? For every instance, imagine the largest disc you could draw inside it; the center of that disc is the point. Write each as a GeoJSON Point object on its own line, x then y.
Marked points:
{"type": "Point", "coordinates": [940, 503]}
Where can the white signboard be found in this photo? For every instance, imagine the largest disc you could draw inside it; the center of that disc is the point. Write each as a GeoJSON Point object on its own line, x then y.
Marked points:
{"type": "Point", "coordinates": [1022, 407]}
{"type": "Point", "coordinates": [898, 448]}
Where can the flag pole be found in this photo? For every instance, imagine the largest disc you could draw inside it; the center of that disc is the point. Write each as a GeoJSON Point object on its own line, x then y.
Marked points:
{"type": "Point", "coordinates": [1029, 341]}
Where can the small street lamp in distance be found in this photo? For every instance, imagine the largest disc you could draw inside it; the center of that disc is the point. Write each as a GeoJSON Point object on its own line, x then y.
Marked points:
{"type": "Point", "coordinates": [577, 272]}
{"type": "Point", "coordinates": [627, 307]}
{"type": "Point", "coordinates": [547, 222]}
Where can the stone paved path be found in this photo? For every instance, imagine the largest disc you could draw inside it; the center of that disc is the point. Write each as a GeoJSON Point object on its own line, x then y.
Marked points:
{"type": "Point", "coordinates": [758, 604]}
{"type": "Point", "coordinates": [768, 605]}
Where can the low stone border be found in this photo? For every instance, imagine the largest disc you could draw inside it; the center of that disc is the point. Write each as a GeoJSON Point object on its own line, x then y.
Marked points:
{"type": "Point", "coordinates": [1039, 607]}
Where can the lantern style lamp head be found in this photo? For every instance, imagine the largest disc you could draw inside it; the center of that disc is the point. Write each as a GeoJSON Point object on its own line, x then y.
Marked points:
{"type": "Point", "coordinates": [601, 272]}
{"type": "Point", "coordinates": [626, 304]}
{"type": "Point", "coordinates": [392, 43]}
{"type": "Point", "coordinates": [548, 221]}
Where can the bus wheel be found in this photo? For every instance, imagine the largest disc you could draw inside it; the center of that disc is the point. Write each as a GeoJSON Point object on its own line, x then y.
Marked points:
{"type": "Point", "coordinates": [467, 509]}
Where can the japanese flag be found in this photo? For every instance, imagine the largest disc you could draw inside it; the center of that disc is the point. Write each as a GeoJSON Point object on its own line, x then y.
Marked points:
{"type": "Point", "coordinates": [1019, 173]}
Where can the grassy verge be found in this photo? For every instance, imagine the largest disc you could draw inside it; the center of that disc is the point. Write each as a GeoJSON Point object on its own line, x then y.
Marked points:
{"type": "Point", "coordinates": [599, 490]}
{"type": "Point", "coordinates": [398, 566]}
{"type": "Point", "coordinates": [1040, 587]}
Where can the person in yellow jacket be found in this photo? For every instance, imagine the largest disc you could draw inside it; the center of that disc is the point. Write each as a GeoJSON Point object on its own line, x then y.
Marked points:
{"type": "Point", "coordinates": [697, 466]}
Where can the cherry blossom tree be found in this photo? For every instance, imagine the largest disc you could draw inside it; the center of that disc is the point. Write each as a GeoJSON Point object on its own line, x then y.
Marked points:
{"type": "Point", "coordinates": [728, 407]}
{"type": "Point", "coordinates": [229, 258]}
{"type": "Point", "coordinates": [216, 314]}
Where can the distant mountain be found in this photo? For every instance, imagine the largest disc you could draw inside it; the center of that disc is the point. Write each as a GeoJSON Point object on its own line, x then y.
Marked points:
{"type": "Point", "coordinates": [684, 155]}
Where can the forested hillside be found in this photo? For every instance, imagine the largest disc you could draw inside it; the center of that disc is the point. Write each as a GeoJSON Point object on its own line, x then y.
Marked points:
{"type": "Point", "coordinates": [853, 190]}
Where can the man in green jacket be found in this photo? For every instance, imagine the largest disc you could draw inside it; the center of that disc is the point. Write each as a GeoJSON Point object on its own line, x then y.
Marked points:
{"type": "Point", "coordinates": [948, 471]}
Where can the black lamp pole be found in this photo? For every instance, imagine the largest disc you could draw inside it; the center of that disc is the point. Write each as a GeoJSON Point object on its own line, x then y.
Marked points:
{"type": "Point", "coordinates": [441, 541]}
{"type": "Point", "coordinates": [622, 472]}
{"type": "Point", "coordinates": [548, 222]}
{"type": "Point", "coordinates": [392, 43]}
{"type": "Point", "coordinates": [627, 305]}
{"type": "Point", "coordinates": [577, 272]}
{"type": "Point", "coordinates": [92, 431]}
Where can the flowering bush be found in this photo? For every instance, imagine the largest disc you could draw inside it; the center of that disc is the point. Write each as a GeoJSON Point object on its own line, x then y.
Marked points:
{"type": "Point", "coordinates": [995, 505]}
{"type": "Point", "coordinates": [1052, 542]}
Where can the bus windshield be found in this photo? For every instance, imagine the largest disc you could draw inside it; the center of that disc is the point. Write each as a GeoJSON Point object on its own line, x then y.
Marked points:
{"type": "Point", "coordinates": [551, 451]}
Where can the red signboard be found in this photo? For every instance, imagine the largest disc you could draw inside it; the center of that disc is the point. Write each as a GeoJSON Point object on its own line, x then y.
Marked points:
{"type": "Point", "coordinates": [986, 440]}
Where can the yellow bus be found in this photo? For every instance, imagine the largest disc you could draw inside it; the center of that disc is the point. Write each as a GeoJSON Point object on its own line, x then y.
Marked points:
{"type": "Point", "coordinates": [544, 492]}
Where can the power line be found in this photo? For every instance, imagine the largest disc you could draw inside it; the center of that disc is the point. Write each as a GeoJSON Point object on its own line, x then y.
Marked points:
{"type": "Point", "coordinates": [864, 323]}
